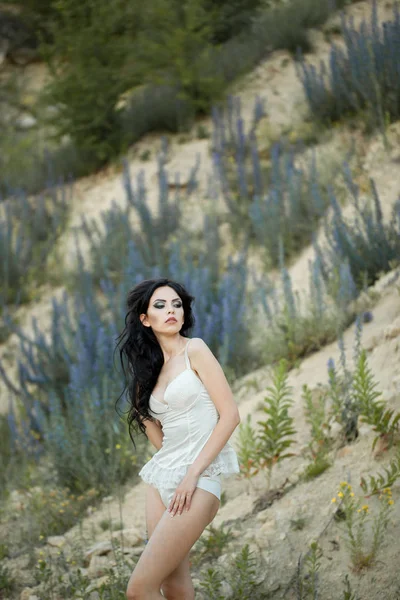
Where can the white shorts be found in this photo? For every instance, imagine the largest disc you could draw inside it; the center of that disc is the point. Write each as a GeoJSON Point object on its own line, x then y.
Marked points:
{"type": "Point", "coordinates": [210, 484]}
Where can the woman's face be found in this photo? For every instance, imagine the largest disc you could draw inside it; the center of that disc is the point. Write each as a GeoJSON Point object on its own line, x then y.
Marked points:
{"type": "Point", "coordinates": [163, 305]}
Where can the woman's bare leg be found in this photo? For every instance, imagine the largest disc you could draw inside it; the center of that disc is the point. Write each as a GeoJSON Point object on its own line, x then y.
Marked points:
{"type": "Point", "coordinates": [165, 557]}
{"type": "Point", "coordinates": [178, 585]}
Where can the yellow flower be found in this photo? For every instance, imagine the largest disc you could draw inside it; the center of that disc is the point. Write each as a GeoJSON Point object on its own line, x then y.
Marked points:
{"type": "Point", "coordinates": [359, 510]}
{"type": "Point", "coordinates": [340, 494]}
{"type": "Point", "coordinates": [333, 500]}
{"type": "Point", "coordinates": [107, 450]}
{"type": "Point", "coordinates": [118, 446]}
{"type": "Point", "coordinates": [365, 507]}
{"type": "Point", "coordinates": [61, 511]}
{"type": "Point", "coordinates": [41, 537]}
{"type": "Point", "coordinates": [343, 484]}
{"type": "Point", "coordinates": [352, 494]}
{"type": "Point", "coordinates": [390, 501]}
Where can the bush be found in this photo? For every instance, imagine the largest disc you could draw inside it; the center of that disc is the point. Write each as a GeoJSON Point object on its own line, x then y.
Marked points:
{"type": "Point", "coordinates": [29, 230]}
{"type": "Point", "coordinates": [116, 244]}
{"type": "Point", "coordinates": [87, 442]}
{"type": "Point", "coordinates": [268, 199]}
{"type": "Point", "coordinates": [231, 18]}
{"type": "Point", "coordinates": [242, 570]}
{"type": "Point", "coordinates": [367, 245]}
{"type": "Point", "coordinates": [165, 57]}
{"type": "Point", "coordinates": [359, 78]}
{"type": "Point", "coordinates": [285, 26]}
{"type": "Point", "coordinates": [155, 108]}
{"type": "Point", "coordinates": [88, 61]}
{"type": "Point", "coordinates": [173, 48]}
{"type": "Point", "coordinates": [298, 326]}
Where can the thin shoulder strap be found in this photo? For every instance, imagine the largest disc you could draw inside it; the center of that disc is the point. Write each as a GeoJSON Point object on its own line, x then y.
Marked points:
{"type": "Point", "coordinates": [187, 361]}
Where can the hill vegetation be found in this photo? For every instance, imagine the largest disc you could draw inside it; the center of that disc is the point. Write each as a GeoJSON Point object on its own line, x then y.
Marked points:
{"type": "Point", "coordinates": [118, 71]}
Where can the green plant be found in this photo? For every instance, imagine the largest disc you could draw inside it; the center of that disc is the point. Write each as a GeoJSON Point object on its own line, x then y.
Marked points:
{"type": "Point", "coordinates": [274, 437]}
{"type": "Point", "coordinates": [298, 523]}
{"type": "Point", "coordinates": [211, 584]}
{"type": "Point", "coordinates": [145, 155]}
{"type": "Point", "coordinates": [384, 421]}
{"type": "Point", "coordinates": [7, 582]}
{"type": "Point", "coordinates": [375, 485]}
{"type": "Point", "coordinates": [88, 58]}
{"type": "Point", "coordinates": [299, 324]}
{"type": "Point", "coordinates": [308, 584]}
{"type": "Point", "coordinates": [243, 575]}
{"type": "Point", "coordinates": [317, 418]}
{"type": "Point", "coordinates": [247, 449]}
{"type": "Point", "coordinates": [173, 49]}
{"type": "Point", "coordinates": [231, 17]}
{"type": "Point", "coordinates": [317, 467]}
{"type": "Point", "coordinates": [45, 511]}
{"type": "Point", "coordinates": [348, 593]}
{"type": "Point", "coordinates": [344, 409]}
{"type": "Point", "coordinates": [355, 523]}
{"type": "Point", "coordinates": [319, 445]}
{"type": "Point", "coordinates": [212, 543]}
{"type": "Point", "coordinates": [105, 524]}
{"type": "Point", "coordinates": [202, 132]}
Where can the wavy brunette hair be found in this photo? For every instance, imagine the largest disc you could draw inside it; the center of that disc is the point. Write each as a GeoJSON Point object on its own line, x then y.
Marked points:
{"type": "Point", "coordinates": [139, 351]}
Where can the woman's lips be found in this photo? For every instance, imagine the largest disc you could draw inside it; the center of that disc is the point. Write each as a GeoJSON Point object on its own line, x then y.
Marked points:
{"type": "Point", "coordinates": [172, 320]}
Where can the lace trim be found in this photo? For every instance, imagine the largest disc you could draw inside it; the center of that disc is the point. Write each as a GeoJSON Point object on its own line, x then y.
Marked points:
{"type": "Point", "coordinates": [226, 463]}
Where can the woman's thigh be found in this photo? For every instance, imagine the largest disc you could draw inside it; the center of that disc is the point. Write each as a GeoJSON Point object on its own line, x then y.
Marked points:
{"type": "Point", "coordinates": [154, 511]}
{"type": "Point", "coordinates": [171, 538]}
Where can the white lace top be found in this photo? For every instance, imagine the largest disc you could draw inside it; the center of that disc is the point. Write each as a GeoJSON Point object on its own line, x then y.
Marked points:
{"type": "Point", "coordinates": [188, 417]}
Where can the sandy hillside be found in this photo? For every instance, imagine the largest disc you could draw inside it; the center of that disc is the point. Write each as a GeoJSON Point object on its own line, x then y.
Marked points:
{"type": "Point", "coordinates": [269, 531]}
{"type": "Point", "coordinates": [275, 81]}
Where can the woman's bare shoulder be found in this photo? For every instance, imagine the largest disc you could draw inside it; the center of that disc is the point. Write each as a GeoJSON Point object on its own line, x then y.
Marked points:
{"type": "Point", "coordinates": [197, 345]}
{"type": "Point", "coordinates": [199, 349]}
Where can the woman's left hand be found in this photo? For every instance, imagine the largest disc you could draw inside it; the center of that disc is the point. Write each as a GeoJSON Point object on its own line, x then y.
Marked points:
{"type": "Point", "coordinates": [183, 494]}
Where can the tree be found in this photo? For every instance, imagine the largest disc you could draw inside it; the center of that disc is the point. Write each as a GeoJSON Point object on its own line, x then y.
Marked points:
{"type": "Point", "coordinates": [174, 49]}
{"type": "Point", "coordinates": [88, 61]}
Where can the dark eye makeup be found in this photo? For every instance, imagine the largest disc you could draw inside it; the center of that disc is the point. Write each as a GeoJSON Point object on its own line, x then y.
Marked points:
{"type": "Point", "coordinates": [158, 305]}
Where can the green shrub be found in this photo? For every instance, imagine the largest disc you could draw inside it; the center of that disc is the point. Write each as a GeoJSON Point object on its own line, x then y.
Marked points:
{"type": "Point", "coordinates": [29, 231]}
{"type": "Point", "coordinates": [307, 584]}
{"type": "Point", "coordinates": [376, 484]}
{"type": "Point", "coordinates": [299, 325]}
{"type": "Point", "coordinates": [7, 582]}
{"type": "Point", "coordinates": [247, 449]}
{"type": "Point", "coordinates": [285, 25]}
{"type": "Point", "coordinates": [243, 574]}
{"type": "Point", "coordinates": [231, 17]}
{"type": "Point", "coordinates": [173, 49]}
{"type": "Point", "coordinates": [277, 429]}
{"type": "Point", "coordinates": [317, 417]}
{"type": "Point", "coordinates": [88, 61]}
{"type": "Point", "coordinates": [373, 411]}
{"type": "Point", "coordinates": [212, 543]}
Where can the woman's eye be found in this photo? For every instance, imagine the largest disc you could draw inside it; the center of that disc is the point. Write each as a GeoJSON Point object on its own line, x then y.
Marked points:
{"type": "Point", "coordinates": [162, 305]}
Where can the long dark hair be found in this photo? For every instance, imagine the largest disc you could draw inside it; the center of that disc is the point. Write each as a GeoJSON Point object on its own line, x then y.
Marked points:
{"type": "Point", "coordinates": [139, 351]}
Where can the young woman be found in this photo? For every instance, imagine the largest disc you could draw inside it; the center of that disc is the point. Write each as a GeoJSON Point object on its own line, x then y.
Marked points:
{"type": "Point", "coordinates": [179, 397]}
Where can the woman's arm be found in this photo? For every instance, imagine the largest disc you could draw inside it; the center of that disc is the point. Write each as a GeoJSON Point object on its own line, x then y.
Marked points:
{"type": "Point", "coordinates": [154, 432]}
{"type": "Point", "coordinates": [210, 372]}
